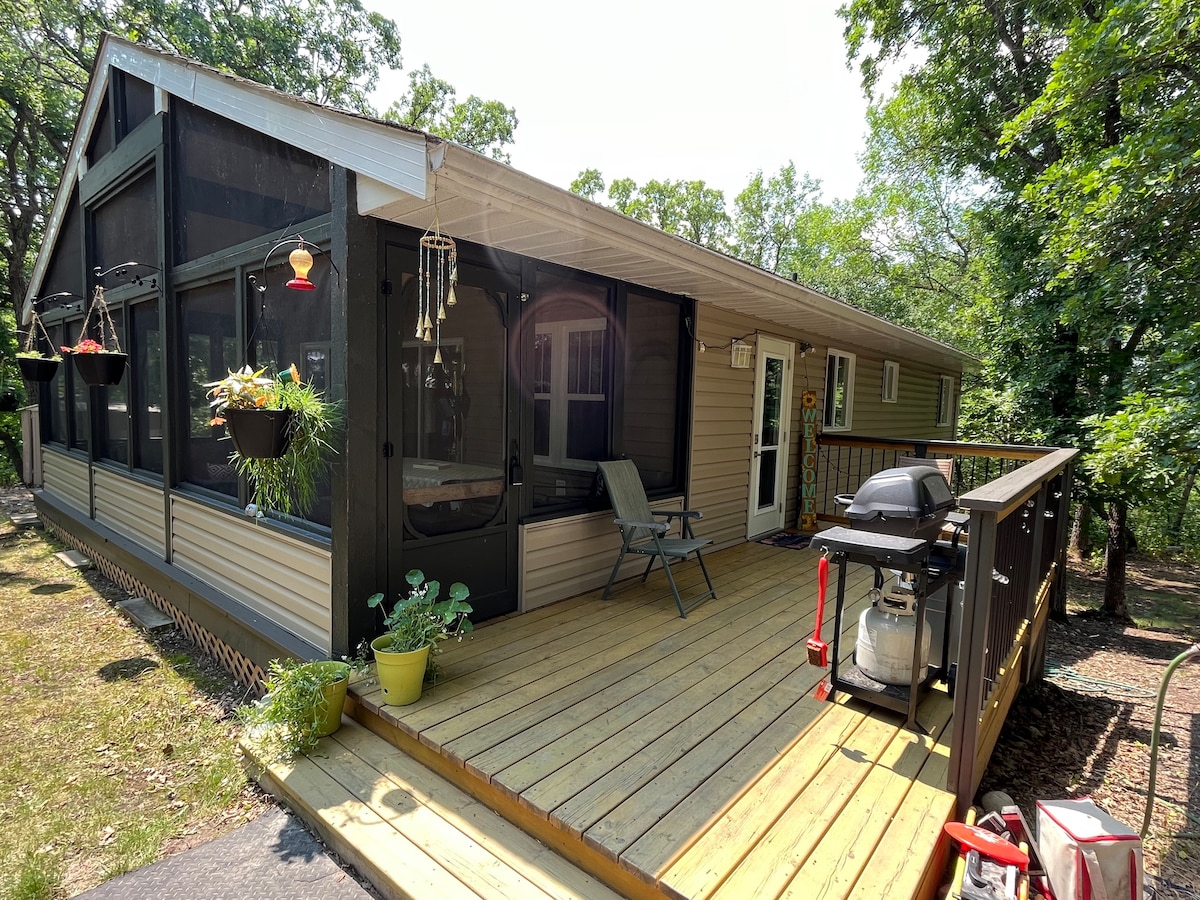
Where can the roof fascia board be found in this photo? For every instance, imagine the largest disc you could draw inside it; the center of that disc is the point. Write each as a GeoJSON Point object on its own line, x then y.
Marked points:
{"type": "Point", "coordinates": [391, 155]}
{"type": "Point", "coordinates": [545, 202]}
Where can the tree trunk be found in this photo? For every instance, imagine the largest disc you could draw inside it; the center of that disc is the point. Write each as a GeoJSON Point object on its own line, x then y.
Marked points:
{"type": "Point", "coordinates": [1081, 531]}
{"type": "Point", "coordinates": [1177, 522]}
{"type": "Point", "coordinates": [1114, 562]}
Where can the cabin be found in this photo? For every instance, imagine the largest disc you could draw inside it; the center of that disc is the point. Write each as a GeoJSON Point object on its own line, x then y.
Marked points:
{"type": "Point", "coordinates": [471, 432]}
{"type": "Point", "coordinates": [578, 335]}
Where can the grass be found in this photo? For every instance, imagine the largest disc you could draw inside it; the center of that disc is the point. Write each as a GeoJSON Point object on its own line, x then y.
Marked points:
{"type": "Point", "coordinates": [117, 748]}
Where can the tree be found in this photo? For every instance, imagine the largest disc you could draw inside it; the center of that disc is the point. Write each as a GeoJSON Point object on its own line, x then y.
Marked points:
{"type": "Point", "coordinates": [689, 209]}
{"type": "Point", "coordinates": [1079, 120]}
{"type": "Point", "coordinates": [429, 104]}
{"type": "Point", "coordinates": [768, 216]}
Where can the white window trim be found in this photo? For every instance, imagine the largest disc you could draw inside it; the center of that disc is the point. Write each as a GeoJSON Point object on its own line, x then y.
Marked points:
{"type": "Point", "coordinates": [850, 360]}
{"type": "Point", "coordinates": [894, 381]}
{"type": "Point", "coordinates": [558, 395]}
{"type": "Point", "coordinates": [946, 400]}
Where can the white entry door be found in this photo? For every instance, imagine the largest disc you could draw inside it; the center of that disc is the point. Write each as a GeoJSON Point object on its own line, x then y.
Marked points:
{"type": "Point", "coordinates": [769, 440]}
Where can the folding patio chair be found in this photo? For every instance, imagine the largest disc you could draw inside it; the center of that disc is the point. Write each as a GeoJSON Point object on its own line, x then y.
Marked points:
{"type": "Point", "coordinates": [642, 533]}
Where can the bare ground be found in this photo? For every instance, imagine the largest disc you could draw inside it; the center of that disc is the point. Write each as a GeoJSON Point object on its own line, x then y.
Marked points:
{"type": "Point", "coordinates": [1085, 731]}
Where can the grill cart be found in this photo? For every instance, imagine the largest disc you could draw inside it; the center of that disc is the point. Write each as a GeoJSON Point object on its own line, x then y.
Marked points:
{"type": "Point", "coordinates": [897, 519]}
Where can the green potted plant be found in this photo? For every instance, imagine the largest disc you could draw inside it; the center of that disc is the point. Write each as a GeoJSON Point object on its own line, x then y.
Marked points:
{"type": "Point", "coordinates": [415, 625]}
{"type": "Point", "coordinates": [302, 704]}
{"type": "Point", "coordinates": [281, 430]}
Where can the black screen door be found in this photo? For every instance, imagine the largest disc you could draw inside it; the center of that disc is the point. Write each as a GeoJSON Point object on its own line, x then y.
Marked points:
{"type": "Point", "coordinates": [451, 430]}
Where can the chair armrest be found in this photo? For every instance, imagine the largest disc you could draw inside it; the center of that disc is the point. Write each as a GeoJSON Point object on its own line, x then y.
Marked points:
{"type": "Point", "coordinates": [680, 513]}
{"type": "Point", "coordinates": [660, 527]}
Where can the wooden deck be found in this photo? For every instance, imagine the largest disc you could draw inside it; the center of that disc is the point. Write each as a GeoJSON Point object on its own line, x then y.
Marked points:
{"type": "Point", "coordinates": [688, 758]}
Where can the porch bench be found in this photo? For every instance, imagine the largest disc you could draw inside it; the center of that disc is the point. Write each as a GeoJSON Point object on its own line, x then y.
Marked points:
{"type": "Point", "coordinates": [412, 833]}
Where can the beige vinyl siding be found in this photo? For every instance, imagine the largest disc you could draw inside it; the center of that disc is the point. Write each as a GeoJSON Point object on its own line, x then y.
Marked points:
{"type": "Point", "coordinates": [282, 578]}
{"type": "Point", "coordinates": [564, 557]}
{"type": "Point", "coordinates": [912, 416]}
{"type": "Point", "coordinates": [722, 419]}
{"type": "Point", "coordinates": [722, 415]}
{"type": "Point", "coordinates": [132, 508]}
{"type": "Point", "coordinates": [67, 479]}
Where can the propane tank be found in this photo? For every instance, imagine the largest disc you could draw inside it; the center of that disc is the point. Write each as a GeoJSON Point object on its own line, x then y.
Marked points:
{"type": "Point", "coordinates": [887, 633]}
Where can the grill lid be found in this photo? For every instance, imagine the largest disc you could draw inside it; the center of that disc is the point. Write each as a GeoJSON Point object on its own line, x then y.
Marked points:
{"type": "Point", "coordinates": [908, 492]}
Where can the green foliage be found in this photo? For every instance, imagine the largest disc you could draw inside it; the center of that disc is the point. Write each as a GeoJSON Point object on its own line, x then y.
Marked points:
{"type": "Point", "coordinates": [420, 620]}
{"type": "Point", "coordinates": [769, 217]}
{"type": "Point", "coordinates": [483, 125]}
{"type": "Point", "coordinates": [286, 721]}
{"type": "Point", "coordinates": [689, 209]}
{"type": "Point", "coordinates": [288, 484]}
{"type": "Point", "coordinates": [1128, 460]}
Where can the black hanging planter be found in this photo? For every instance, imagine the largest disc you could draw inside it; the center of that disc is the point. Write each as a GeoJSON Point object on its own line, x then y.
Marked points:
{"type": "Point", "coordinates": [37, 368]}
{"type": "Point", "coordinates": [101, 369]}
{"type": "Point", "coordinates": [259, 433]}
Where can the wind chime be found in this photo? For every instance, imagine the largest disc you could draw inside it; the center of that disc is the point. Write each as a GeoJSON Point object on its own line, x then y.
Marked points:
{"type": "Point", "coordinates": [437, 273]}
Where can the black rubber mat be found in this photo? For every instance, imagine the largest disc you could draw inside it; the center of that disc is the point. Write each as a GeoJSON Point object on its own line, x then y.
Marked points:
{"type": "Point", "coordinates": [271, 857]}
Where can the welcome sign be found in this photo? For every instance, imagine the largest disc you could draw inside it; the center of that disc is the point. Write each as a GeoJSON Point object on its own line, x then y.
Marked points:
{"type": "Point", "coordinates": [808, 462]}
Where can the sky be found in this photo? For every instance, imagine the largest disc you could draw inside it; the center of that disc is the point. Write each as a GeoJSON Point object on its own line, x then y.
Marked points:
{"type": "Point", "coordinates": [657, 89]}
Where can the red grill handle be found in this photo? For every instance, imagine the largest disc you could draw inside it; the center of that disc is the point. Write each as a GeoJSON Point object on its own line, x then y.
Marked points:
{"type": "Point", "coordinates": [822, 587]}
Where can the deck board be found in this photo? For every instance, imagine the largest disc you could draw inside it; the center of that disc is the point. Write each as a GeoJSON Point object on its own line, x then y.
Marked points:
{"type": "Point", "coordinates": [691, 753]}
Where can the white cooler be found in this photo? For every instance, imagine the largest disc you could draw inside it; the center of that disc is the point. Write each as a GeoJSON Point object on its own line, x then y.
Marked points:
{"type": "Point", "coordinates": [1087, 854]}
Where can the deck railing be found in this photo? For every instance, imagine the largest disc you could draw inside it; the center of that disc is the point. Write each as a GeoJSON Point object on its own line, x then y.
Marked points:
{"type": "Point", "coordinates": [1018, 500]}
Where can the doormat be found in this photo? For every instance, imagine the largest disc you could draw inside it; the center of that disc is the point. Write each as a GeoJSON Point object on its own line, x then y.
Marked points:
{"type": "Point", "coordinates": [791, 540]}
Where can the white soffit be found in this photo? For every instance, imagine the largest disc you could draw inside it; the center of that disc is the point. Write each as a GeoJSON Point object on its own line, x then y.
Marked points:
{"type": "Point", "coordinates": [494, 205]}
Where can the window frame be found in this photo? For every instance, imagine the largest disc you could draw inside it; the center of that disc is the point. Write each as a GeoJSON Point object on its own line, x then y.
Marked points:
{"type": "Point", "coordinates": [945, 401]}
{"type": "Point", "coordinates": [890, 368]}
{"type": "Point", "coordinates": [560, 397]}
{"type": "Point", "coordinates": [829, 423]}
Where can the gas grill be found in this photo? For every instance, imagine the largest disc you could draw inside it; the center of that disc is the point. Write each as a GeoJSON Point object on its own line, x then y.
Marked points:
{"type": "Point", "coordinates": [896, 519]}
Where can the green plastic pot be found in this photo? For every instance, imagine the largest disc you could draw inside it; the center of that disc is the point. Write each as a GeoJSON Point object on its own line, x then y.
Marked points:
{"type": "Point", "coordinates": [400, 674]}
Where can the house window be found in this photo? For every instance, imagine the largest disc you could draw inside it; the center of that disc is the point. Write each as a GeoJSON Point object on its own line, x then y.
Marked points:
{"type": "Point", "coordinates": [946, 398]}
{"type": "Point", "coordinates": [146, 373]}
{"type": "Point", "coordinates": [233, 184]}
{"type": "Point", "coordinates": [891, 381]}
{"type": "Point", "coordinates": [209, 335]}
{"type": "Point", "coordinates": [125, 227]}
{"type": "Point", "coordinates": [839, 390]}
{"type": "Point", "coordinates": [112, 409]}
{"type": "Point", "coordinates": [570, 397]}
{"type": "Point", "coordinates": [607, 377]}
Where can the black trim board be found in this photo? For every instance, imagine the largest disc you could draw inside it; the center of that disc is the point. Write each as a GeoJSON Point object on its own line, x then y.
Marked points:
{"type": "Point", "coordinates": [249, 633]}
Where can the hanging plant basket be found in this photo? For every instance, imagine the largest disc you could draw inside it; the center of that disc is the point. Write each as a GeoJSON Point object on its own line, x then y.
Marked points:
{"type": "Point", "coordinates": [99, 363]}
{"type": "Point", "coordinates": [37, 368]}
{"type": "Point", "coordinates": [101, 369]}
{"type": "Point", "coordinates": [259, 433]}
{"type": "Point", "coordinates": [35, 364]}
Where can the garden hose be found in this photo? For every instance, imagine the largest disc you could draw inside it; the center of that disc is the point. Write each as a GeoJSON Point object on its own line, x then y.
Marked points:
{"type": "Point", "coordinates": [1191, 651]}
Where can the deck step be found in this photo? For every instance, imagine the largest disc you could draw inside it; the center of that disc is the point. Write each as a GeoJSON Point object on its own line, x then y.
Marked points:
{"type": "Point", "coordinates": [411, 832]}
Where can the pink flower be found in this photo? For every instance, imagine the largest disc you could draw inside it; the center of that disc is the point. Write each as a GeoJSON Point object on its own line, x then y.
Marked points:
{"type": "Point", "coordinates": [87, 345]}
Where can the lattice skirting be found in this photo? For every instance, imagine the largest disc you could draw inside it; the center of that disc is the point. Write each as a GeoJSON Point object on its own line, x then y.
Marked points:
{"type": "Point", "coordinates": [247, 672]}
